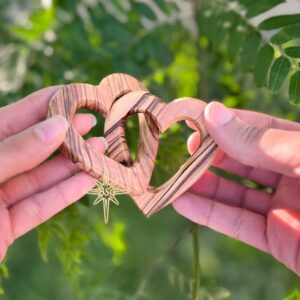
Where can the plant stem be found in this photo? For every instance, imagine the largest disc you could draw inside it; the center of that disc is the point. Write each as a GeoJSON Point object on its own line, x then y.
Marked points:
{"type": "Point", "coordinates": [197, 271]}
{"type": "Point", "coordinates": [140, 291]}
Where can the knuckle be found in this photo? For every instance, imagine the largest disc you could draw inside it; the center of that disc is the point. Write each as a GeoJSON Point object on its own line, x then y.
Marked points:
{"type": "Point", "coordinates": [35, 209]}
{"type": "Point", "coordinates": [3, 198]}
{"type": "Point", "coordinates": [6, 129]}
{"type": "Point", "coordinates": [247, 138]}
{"type": "Point", "coordinates": [32, 181]}
{"type": "Point", "coordinates": [12, 150]}
{"type": "Point", "coordinates": [62, 195]}
{"type": "Point", "coordinates": [250, 133]}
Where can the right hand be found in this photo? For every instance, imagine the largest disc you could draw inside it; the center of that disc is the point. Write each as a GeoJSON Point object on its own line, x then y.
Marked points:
{"type": "Point", "coordinates": [263, 149]}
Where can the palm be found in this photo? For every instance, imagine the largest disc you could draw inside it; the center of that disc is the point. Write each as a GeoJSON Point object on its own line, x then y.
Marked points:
{"type": "Point", "coordinates": [283, 223]}
{"type": "Point", "coordinates": [269, 221]}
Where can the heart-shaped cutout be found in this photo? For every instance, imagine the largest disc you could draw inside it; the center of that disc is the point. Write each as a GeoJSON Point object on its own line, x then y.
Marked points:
{"type": "Point", "coordinates": [100, 99]}
{"type": "Point", "coordinates": [165, 115]}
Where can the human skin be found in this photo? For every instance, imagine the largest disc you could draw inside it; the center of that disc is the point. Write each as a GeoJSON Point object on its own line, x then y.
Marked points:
{"type": "Point", "coordinates": [263, 149]}
{"type": "Point", "coordinates": [252, 145]}
{"type": "Point", "coordinates": [32, 190]}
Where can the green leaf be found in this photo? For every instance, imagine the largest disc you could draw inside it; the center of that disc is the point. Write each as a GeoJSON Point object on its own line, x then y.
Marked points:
{"type": "Point", "coordinates": [219, 293]}
{"type": "Point", "coordinates": [279, 22]}
{"type": "Point", "coordinates": [293, 52]}
{"type": "Point", "coordinates": [40, 21]}
{"type": "Point", "coordinates": [145, 11]}
{"type": "Point", "coordinates": [250, 48]}
{"type": "Point", "coordinates": [295, 295]}
{"type": "Point", "coordinates": [235, 39]}
{"type": "Point", "coordinates": [286, 34]}
{"type": "Point", "coordinates": [43, 241]}
{"type": "Point", "coordinates": [262, 64]}
{"type": "Point", "coordinates": [221, 28]}
{"type": "Point", "coordinates": [215, 27]}
{"type": "Point", "coordinates": [113, 238]}
{"type": "Point", "coordinates": [294, 88]}
{"type": "Point", "coordinates": [278, 73]}
{"type": "Point", "coordinates": [254, 8]}
{"type": "Point", "coordinates": [4, 270]}
{"type": "Point", "coordinates": [13, 71]}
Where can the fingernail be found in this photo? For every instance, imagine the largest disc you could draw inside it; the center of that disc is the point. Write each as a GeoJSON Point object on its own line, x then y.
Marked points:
{"type": "Point", "coordinates": [51, 129]}
{"type": "Point", "coordinates": [193, 142]}
{"type": "Point", "coordinates": [217, 113]}
{"type": "Point", "coordinates": [104, 142]}
{"type": "Point", "coordinates": [94, 120]}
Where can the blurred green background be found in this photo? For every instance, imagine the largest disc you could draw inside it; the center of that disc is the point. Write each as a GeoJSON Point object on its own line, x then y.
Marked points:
{"type": "Point", "coordinates": [74, 255]}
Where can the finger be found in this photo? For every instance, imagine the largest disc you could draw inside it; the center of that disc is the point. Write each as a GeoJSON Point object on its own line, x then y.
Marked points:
{"type": "Point", "coordinates": [260, 120]}
{"type": "Point", "coordinates": [193, 142]}
{"type": "Point", "coordinates": [29, 182]}
{"type": "Point", "coordinates": [84, 123]}
{"type": "Point", "coordinates": [265, 121]}
{"type": "Point", "coordinates": [231, 193]}
{"type": "Point", "coordinates": [262, 176]}
{"type": "Point", "coordinates": [20, 115]}
{"type": "Point", "coordinates": [271, 149]}
{"type": "Point", "coordinates": [225, 162]}
{"type": "Point", "coordinates": [38, 208]}
{"type": "Point", "coordinates": [191, 125]}
{"type": "Point", "coordinates": [29, 148]}
{"type": "Point", "coordinates": [43, 176]}
{"type": "Point", "coordinates": [283, 230]}
{"type": "Point", "coordinates": [235, 222]}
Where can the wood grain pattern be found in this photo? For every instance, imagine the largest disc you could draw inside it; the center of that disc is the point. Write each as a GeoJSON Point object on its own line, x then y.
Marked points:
{"type": "Point", "coordinates": [100, 99]}
{"type": "Point", "coordinates": [164, 115]}
{"type": "Point", "coordinates": [119, 85]}
{"type": "Point", "coordinates": [117, 97]}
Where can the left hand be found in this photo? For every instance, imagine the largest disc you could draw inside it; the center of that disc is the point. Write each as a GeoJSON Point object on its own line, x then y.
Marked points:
{"type": "Point", "coordinates": [32, 192]}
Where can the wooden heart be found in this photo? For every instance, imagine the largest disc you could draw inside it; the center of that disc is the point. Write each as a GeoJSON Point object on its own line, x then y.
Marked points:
{"type": "Point", "coordinates": [100, 99]}
{"type": "Point", "coordinates": [117, 97]}
{"type": "Point", "coordinates": [164, 115]}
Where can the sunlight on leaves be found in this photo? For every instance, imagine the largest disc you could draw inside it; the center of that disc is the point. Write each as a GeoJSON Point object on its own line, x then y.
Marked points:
{"type": "Point", "coordinates": [113, 237]}
{"type": "Point", "coordinates": [38, 24]}
{"type": "Point", "coordinates": [295, 295]}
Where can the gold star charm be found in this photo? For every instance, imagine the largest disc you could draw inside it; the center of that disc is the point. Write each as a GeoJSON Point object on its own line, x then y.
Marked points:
{"type": "Point", "coordinates": [106, 192]}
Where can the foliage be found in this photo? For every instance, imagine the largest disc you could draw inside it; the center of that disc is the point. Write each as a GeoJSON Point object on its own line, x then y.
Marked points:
{"type": "Point", "coordinates": [3, 274]}
{"type": "Point", "coordinates": [273, 58]}
{"type": "Point", "coordinates": [295, 295]}
{"type": "Point", "coordinates": [178, 48]}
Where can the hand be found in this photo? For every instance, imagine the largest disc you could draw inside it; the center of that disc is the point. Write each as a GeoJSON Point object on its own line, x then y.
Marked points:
{"type": "Point", "coordinates": [31, 192]}
{"type": "Point", "coordinates": [263, 149]}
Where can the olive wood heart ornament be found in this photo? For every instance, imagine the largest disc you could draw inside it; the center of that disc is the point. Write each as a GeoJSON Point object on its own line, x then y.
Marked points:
{"type": "Point", "coordinates": [116, 98]}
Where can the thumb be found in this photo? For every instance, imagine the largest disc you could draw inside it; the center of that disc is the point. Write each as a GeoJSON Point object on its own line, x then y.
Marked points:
{"type": "Point", "coordinates": [266, 148]}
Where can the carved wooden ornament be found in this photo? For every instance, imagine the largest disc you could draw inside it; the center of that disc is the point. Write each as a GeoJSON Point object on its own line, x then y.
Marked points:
{"type": "Point", "coordinates": [116, 98]}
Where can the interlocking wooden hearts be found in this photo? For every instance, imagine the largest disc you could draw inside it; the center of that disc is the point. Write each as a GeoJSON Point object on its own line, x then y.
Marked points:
{"type": "Point", "coordinates": [117, 97]}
